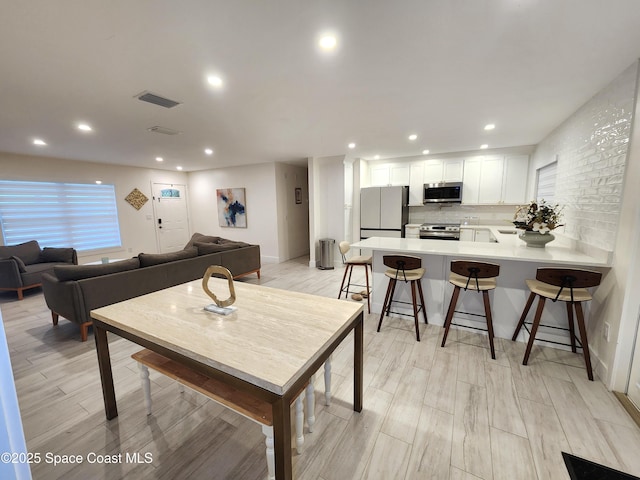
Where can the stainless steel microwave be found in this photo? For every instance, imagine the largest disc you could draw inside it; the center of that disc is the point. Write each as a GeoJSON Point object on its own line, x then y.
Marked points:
{"type": "Point", "coordinates": [446, 192]}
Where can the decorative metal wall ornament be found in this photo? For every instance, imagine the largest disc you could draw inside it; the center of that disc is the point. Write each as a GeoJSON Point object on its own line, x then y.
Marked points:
{"type": "Point", "coordinates": [221, 306]}
{"type": "Point", "coordinates": [136, 199]}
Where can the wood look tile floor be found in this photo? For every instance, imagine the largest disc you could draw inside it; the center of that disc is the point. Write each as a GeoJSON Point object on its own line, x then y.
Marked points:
{"type": "Point", "coordinates": [429, 412]}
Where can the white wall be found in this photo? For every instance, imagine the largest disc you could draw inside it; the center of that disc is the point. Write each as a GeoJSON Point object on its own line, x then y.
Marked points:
{"type": "Point", "coordinates": [595, 165]}
{"type": "Point", "coordinates": [137, 227]}
{"type": "Point", "coordinates": [261, 205]}
{"type": "Point", "coordinates": [326, 203]}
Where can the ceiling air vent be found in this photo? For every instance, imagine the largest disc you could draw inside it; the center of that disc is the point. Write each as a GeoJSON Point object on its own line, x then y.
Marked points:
{"type": "Point", "coordinates": [165, 130]}
{"type": "Point", "coordinates": [156, 99]}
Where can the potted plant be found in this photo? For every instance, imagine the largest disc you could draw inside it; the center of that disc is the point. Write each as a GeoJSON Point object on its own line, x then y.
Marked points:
{"type": "Point", "coordinates": [536, 220]}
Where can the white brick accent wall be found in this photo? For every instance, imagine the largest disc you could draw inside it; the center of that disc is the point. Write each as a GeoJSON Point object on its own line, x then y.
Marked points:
{"type": "Point", "coordinates": [591, 148]}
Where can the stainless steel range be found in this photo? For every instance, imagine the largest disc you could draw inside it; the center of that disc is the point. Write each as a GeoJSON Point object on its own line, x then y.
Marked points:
{"type": "Point", "coordinates": [440, 231]}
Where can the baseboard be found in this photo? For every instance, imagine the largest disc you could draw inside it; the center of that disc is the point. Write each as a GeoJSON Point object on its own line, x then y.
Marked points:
{"type": "Point", "coordinates": [629, 406]}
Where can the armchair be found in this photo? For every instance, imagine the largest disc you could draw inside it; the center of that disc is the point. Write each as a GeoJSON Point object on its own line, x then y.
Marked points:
{"type": "Point", "coordinates": [22, 266]}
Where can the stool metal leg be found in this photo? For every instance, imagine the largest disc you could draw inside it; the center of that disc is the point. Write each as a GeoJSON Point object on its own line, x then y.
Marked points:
{"type": "Point", "coordinates": [366, 276]}
{"type": "Point", "coordinates": [583, 339]}
{"type": "Point", "coordinates": [523, 316]}
{"type": "Point", "coordinates": [393, 292]}
{"type": "Point", "coordinates": [344, 277]}
{"type": "Point", "coordinates": [487, 312]}
{"type": "Point", "coordinates": [534, 329]}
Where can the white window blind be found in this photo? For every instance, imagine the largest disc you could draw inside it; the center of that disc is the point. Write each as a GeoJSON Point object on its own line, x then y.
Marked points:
{"type": "Point", "coordinates": [546, 184]}
{"type": "Point", "coordinates": [83, 216]}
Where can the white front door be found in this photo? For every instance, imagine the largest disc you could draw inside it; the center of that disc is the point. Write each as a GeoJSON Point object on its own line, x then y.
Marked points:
{"type": "Point", "coordinates": [171, 217]}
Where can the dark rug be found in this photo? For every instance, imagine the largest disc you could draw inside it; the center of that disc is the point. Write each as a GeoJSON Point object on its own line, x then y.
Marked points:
{"type": "Point", "coordinates": [581, 469]}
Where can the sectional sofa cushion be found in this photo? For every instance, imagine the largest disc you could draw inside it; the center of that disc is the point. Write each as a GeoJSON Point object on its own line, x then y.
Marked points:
{"type": "Point", "coordinates": [205, 248]}
{"type": "Point", "coordinates": [21, 266]}
{"type": "Point", "coordinates": [28, 252]}
{"type": "Point", "coordinates": [148, 259]}
{"type": "Point", "coordinates": [50, 254]}
{"type": "Point", "coordinates": [80, 272]}
{"type": "Point", "coordinates": [200, 238]}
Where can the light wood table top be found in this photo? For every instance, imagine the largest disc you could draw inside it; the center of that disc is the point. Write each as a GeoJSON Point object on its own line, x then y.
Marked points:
{"type": "Point", "coordinates": [269, 347]}
{"type": "Point", "coordinates": [269, 340]}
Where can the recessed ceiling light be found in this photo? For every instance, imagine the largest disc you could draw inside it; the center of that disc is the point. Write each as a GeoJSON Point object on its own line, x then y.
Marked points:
{"type": "Point", "coordinates": [99, 182]}
{"type": "Point", "coordinates": [377, 157]}
{"type": "Point", "coordinates": [425, 152]}
{"type": "Point", "coordinates": [39, 142]}
{"type": "Point", "coordinates": [159, 159]}
{"type": "Point", "coordinates": [178, 167]}
{"type": "Point", "coordinates": [84, 127]}
{"type": "Point", "coordinates": [352, 145]}
{"type": "Point", "coordinates": [413, 137]}
{"type": "Point", "coordinates": [208, 151]}
{"type": "Point", "coordinates": [489, 126]}
{"type": "Point", "coordinates": [214, 80]}
{"type": "Point", "coordinates": [483, 146]}
{"type": "Point", "coordinates": [328, 42]}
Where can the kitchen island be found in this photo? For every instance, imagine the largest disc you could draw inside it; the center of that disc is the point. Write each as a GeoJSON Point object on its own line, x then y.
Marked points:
{"type": "Point", "coordinates": [517, 263]}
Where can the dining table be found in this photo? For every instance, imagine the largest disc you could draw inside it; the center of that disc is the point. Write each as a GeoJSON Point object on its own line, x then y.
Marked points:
{"type": "Point", "coordinates": [269, 346]}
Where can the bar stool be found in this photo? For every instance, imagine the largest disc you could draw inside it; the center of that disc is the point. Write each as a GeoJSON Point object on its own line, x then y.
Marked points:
{"type": "Point", "coordinates": [477, 276]}
{"type": "Point", "coordinates": [408, 269]}
{"type": "Point", "coordinates": [566, 285]}
{"type": "Point", "coordinates": [350, 263]}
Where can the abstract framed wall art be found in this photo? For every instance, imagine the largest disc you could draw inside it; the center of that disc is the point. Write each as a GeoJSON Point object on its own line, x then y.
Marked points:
{"type": "Point", "coordinates": [232, 210]}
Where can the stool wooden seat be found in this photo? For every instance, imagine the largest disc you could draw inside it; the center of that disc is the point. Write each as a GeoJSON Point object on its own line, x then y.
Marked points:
{"type": "Point", "coordinates": [476, 276]}
{"type": "Point", "coordinates": [407, 269]}
{"type": "Point", "coordinates": [350, 262]}
{"type": "Point", "coordinates": [239, 401]}
{"type": "Point", "coordinates": [565, 285]}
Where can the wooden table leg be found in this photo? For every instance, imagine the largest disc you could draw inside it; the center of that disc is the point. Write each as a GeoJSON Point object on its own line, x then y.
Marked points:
{"type": "Point", "coordinates": [358, 363]}
{"type": "Point", "coordinates": [104, 365]}
{"type": "Point", "coordinates": [282, 439]}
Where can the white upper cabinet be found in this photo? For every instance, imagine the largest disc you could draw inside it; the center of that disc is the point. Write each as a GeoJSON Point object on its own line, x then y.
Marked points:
{"type": "Point", "coordinates": [516, 171]}
{"type": "Point", "coordinates": [495, 179]}
{"type": "Point", "coordinates": [416, 183]}
{"type": "Point", "coordinates": [447, 170]}
{"type": "Point", "coordinates": [385, 175]}
{"type": "Point", "coordinates": [380, 176]}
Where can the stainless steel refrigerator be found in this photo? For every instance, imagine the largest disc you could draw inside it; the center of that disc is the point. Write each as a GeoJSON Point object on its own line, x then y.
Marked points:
{"type": "Point", "coordinates": [384, 211]}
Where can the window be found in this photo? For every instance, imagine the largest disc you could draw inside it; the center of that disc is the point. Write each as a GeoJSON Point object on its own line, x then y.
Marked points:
{"type": "Point", "coordinates": [83, 216]}
{"type": "Point", "coordinates": [546, 182]}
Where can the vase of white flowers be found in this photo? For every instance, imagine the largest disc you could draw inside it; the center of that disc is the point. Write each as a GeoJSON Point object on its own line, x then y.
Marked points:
{"type": "Point", "coordinates": [536, 220]}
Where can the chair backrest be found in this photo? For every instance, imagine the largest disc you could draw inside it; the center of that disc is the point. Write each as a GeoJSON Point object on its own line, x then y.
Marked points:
{"type": "Point", "coordinates": [402, 262]}
{"type": "Point", "coordinates": [568, 278]}
{"type": "Point", "coordinates": [471, 269]}
{"type": "Point", "coordinates": [344, 247]}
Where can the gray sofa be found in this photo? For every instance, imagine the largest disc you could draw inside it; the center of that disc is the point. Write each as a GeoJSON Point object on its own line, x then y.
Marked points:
{"type": "Point", "coordinates": [72, 292]}
{"type": "Point", "coordinates": [22, 266]}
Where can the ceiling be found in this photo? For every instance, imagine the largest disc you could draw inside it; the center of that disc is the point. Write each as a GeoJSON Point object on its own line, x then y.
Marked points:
{"type": "Point", "coordinates": [441, 69]}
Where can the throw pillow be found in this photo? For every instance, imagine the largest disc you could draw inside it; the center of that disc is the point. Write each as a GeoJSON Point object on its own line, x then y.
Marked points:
{"type": "Point", "coordinates": [50, 255]}
{"type": "Point", "coordinates": [29, 252]}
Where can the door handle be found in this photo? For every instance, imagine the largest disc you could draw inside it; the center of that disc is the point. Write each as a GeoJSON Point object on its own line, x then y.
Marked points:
{"type": "Point", "coordinates": [159, 223]}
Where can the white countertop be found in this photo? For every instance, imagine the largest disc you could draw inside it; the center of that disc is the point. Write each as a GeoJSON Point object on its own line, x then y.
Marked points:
{"type": "Point", "coordinates": [509, 247]}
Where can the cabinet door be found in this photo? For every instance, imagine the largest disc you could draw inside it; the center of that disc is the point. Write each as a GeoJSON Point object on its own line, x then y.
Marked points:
{"type": "Point", "coordinates": [433, 170]}
{"type": "Point", "coordinates": [391, 207]}
{"type": "Point", "coordinates": [416, 184]}
{"type": "Point", "coordinates": [370, 207]}
{"type": "Point", "coordinates": [399, 175]}
{"type": "Point", "coordinates": [516, 170]}
{"type": "Point", "coordinates": [380, 176]}
{"type": "Point", "coordinates": [491, 172]}
{"type": "Point", "coordinates": [466, 234]}
{"type": "Point", "coordinates": [452, 170]}
{"type": "Point", "coordinates": [471, 181]}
